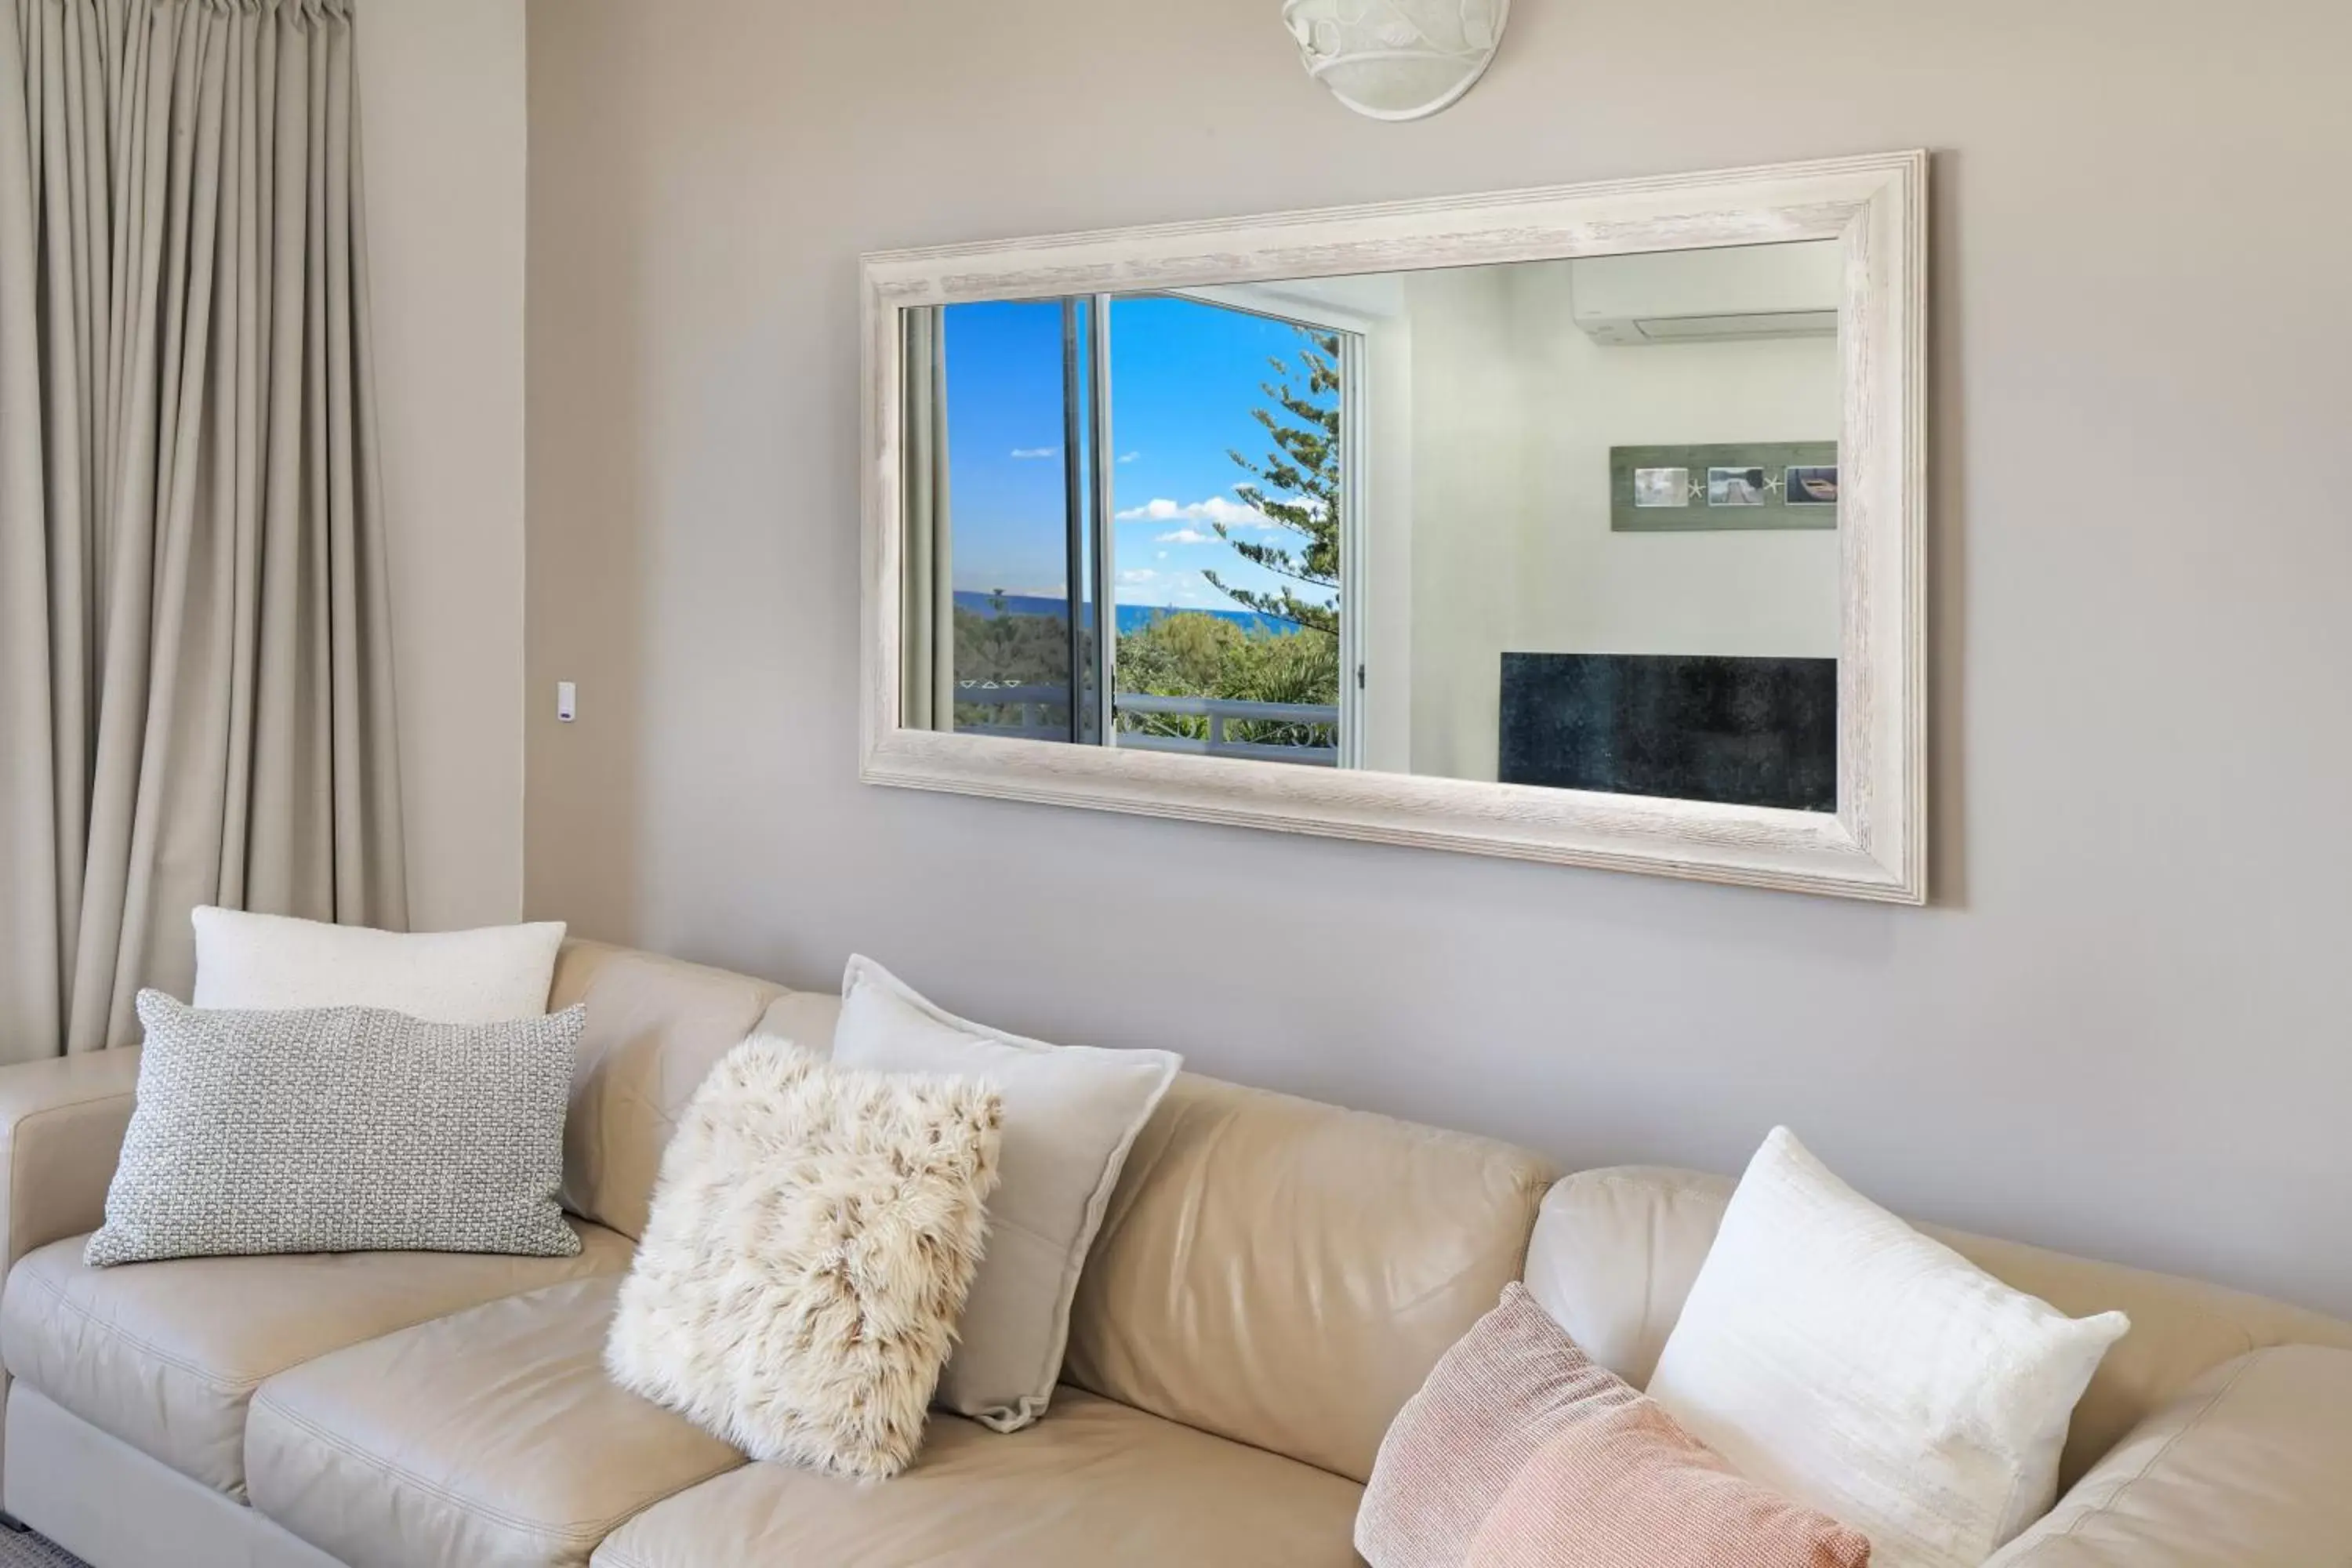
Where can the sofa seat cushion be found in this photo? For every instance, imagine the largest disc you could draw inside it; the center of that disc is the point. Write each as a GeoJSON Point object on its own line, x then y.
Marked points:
{"type": "Point", "coordinates": [492, 1439]}
{"type": "Point", "coordinates": [165, 1356]}
{"type": "Point", "coordinates": [1094, 1482]}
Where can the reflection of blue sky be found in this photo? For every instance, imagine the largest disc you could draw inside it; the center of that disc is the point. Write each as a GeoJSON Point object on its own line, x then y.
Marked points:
{"type": "Point", "coordinates": [1185, 377]}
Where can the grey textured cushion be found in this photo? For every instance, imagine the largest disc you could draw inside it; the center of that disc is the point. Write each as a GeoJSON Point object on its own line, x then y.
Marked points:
{"type": "Point", "coordinates": [341, 1129]}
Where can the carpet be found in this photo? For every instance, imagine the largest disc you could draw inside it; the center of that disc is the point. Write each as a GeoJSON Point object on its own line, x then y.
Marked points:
{"type": "Point", "coordinates": [30, 1551]}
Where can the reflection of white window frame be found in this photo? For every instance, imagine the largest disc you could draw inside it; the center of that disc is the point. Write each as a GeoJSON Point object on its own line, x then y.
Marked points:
{"type": "Point", "coordinates": [1105, 530]}
{"type": "Point", "coordinates": [1373, 390]}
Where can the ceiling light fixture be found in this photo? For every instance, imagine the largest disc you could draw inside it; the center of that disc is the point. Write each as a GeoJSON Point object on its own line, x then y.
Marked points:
{"type": "Point", "coordinates": [1396, 59]}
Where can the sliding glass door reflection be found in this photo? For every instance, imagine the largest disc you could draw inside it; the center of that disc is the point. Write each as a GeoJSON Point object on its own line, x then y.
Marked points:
{"type": "Point", "coordinates": [1130, 524]}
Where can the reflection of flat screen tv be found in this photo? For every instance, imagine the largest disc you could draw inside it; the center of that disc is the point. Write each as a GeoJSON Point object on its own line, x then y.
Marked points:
{"type": "Point", "coordinates": [1741, 732]}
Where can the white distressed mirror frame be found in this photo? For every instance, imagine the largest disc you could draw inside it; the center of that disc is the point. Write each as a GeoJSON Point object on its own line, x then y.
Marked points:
{"type": "Point", "coordinates": [1874, 847]}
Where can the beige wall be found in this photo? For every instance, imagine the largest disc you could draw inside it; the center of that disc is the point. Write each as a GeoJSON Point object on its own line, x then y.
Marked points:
{"type": "Point", "coordinates": [442, 97]}
{"type": "Point", "coordinates": [2121, 1029]}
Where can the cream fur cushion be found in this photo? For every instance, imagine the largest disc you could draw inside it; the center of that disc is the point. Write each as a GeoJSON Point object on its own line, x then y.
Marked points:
{"type": "Point", "coordinates": [812, 1235]}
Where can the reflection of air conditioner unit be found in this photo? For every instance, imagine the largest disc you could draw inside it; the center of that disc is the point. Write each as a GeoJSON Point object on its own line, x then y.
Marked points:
{"type": "Point", "coordinates": [1710, 296]}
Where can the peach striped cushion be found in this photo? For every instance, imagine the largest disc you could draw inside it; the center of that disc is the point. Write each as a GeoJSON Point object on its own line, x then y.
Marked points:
{"type": "Point", "coordinates": [1519, 1452]}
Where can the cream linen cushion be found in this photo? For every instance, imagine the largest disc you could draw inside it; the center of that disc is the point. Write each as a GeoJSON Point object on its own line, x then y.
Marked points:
{"type": "Point", "coordinates": [813, 1232]}
{"type": "Point", "coordinates": [1071, 1114]}
{"type": "Point", "coordinates": [1833, 1353]}
{"type": "Point", "coordinates": [263, 962]}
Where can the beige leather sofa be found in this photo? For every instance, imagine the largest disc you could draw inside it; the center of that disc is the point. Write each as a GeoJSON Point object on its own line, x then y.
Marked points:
{"type": "Point", "coordinates": [1274, 1280]}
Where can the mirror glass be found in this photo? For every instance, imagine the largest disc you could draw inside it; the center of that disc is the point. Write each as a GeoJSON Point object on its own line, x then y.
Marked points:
{"type": "Point", "coordinates": [1565, 523]}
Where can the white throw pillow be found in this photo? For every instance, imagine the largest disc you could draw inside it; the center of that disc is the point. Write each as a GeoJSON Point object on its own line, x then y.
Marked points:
{"type": "Point", "coordinates": [1835, 1354]}
{"type": "Point", "coordinates": [1071, 1114]}
{"type": "Point", "coordinates": [812, 1239]}
{"type": "Point", "coordinates": [249, 962]}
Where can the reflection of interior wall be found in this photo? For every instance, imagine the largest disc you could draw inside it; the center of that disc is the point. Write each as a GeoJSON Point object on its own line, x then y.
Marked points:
{"type": "Point", "coordinates": [1516, 410]}
{"type": "Point", "coordinates": [1467, 500]}
{"type": "Point", "coordinates": [1387, 581]}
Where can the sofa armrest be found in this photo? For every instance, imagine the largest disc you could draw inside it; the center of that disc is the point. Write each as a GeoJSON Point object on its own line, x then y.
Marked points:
{"type": "Point", "coordinates": [61, 1127]}
{"type": "Point", "coordinates": [2247, 1466]}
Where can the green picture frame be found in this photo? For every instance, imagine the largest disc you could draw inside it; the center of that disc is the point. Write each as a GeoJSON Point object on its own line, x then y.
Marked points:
{"type": "Point", "coordinates": [1723, 487]}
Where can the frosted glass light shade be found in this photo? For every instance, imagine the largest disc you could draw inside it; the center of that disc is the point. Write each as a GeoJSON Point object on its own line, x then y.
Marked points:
{"type": "Point", "coordinates": [1396, 59]}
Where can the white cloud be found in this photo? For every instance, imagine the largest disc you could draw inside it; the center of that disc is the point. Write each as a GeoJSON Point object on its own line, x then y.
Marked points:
{"type": "Point", "coordinates": [1027, 454]}
{"type": "Point", "coordinates": [1216, 510]}
{"type": "Point", "coordinates": [1129, 456]}
{"type": "Point", "coordinates": [1185, 536]}
{"type": "Point", "coordinates": [1139, 575]}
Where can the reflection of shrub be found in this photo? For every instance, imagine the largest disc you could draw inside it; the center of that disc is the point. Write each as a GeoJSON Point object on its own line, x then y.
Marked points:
{"type": "Point", "coordinates": [1012, 650]}
{"type": "Point", "coordinates": [1190, 655]}
{"type": "Point", "coordinates": [1178, 653]}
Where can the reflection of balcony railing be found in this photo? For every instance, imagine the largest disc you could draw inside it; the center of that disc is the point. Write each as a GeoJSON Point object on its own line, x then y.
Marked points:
{"type": "Point", "coordinates": [1017, 712]}
{"type": "Point", "coordinates": [1220, 711]}
{"type": "Point", "coordinates": [1042, 713]}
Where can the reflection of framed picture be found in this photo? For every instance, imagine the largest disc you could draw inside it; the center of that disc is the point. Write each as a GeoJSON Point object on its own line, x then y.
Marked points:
{"type": "Point", "coordinates": [1661, 487]}
{"type": "Point", "coordinates": [1812, 487]}
{"type": "Point", "coordinates": [1723, 487]}
{"type": "Point", "coordinates": [1734, 486]}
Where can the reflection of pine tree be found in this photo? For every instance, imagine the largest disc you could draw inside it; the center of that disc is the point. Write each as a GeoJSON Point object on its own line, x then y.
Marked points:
{"type": "Point", "coordinates": [1304, 468]}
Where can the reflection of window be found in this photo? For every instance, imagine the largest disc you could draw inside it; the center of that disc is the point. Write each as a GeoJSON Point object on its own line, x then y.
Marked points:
{"type": "Point", "coordinates": [1230, 619]}
{"type": "Point", "coordinates": [1182, 477]}
{"type": "Point", "coordinates": [1001, 533]}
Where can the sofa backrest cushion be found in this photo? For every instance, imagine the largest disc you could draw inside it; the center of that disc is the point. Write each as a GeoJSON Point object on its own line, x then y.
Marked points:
{"type": "Point", "coordinates": [804, 1017]}
{"type": "Point", "coordinates": [1615, 1251]}
{"type": "Point", "coordinates": [655, 1027]}
{"type": "Point", "coordinates": [1271, 1270]}
{"type": "Point", "coordinates": [1286, 1273]}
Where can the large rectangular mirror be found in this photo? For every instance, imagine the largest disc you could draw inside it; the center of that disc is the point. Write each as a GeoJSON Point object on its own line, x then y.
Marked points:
{"type": "Point", "coordinates": [1578, 525]}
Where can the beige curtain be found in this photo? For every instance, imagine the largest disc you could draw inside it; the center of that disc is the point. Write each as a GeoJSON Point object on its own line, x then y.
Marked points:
{"type": "Point", "coordinates": [195, 698]}
{"type": "Point", "coordinates": [928, 611]}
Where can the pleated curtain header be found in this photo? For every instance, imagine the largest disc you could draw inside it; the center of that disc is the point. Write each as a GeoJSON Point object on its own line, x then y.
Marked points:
{"type": "Point", "coordinates": [306, 10]}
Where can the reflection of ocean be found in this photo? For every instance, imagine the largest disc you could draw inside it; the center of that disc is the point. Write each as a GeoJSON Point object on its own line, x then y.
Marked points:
{"type": "Point", "coordinates": [1131, 617]}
